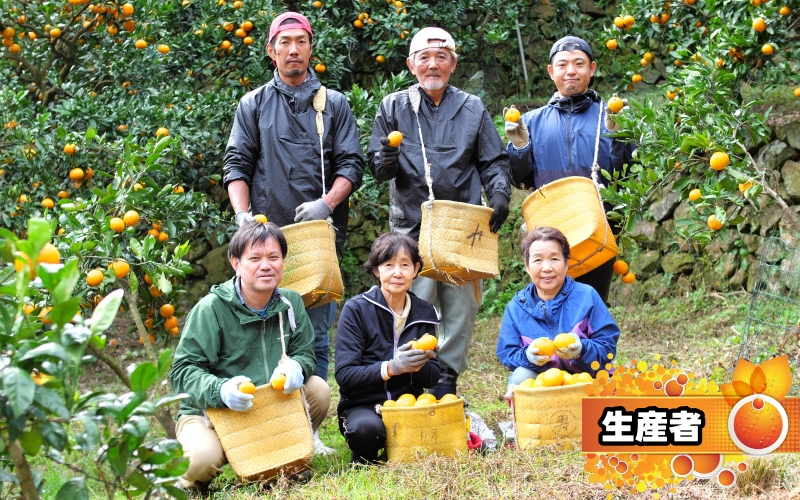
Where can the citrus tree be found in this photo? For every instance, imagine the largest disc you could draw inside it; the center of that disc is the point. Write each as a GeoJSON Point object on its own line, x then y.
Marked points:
{"type": "Point", "coordinates": [44, 412]}
{"type": "Point", "coordinates": [698, 139]}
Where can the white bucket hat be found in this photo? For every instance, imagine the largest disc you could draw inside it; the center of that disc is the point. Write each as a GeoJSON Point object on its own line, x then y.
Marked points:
{"type": "Point", "coordinates": [431, 38]}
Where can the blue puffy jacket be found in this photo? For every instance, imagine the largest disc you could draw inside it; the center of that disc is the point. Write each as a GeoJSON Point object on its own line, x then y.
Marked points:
{"type": "Point", "coordinates": [562, 142]}
{"type": "Point", "coordinates": [577, 308]}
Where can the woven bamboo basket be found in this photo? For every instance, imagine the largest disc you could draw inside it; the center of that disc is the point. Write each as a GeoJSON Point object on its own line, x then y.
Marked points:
{"type": "Point", "coordinates": [439, 429]}
{"type": "Point", "coordinates": [455, 242]}
{"type": "Point", "coordinates": [572, 206]}
{"type": "Point", "coordinates": [548, 415]}
{"type": "Point", "coordinates": [311, 267]}
{"type": "Point", "coordinates": [271, 438]}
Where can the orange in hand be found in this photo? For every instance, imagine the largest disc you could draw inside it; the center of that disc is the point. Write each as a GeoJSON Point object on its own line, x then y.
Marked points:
{"type": "Point", "coordinates": [247, 388]}
{"type": "Point", "coordinates": [278, 382]}
{"type": "Point", "coordinates": [427, 342]}
{"type": "Point", "coordinates": [546, 346]}
{"type": "Point", "coordinates": [395, 138]}
{"type": "Point", "coordinates": [563, 341]}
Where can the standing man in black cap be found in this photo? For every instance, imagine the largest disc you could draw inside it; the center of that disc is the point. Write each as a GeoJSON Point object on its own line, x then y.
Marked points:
{"type": "Point", "coordinates": [558, 140]}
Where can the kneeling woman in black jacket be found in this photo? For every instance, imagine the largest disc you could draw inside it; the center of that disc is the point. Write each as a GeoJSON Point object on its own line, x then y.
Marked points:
{"type": "Point", "coordinates": [374, 360]}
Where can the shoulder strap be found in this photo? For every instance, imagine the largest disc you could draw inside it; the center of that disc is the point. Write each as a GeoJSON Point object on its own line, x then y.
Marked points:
{"type": "Point", "coordinates": [319, 101]}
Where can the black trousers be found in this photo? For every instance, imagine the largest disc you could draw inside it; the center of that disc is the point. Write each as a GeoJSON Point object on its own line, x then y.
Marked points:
{"type": "Point", "coordinates": [364, 433]}
{"type": "Point", "coordinates": [600, 279]}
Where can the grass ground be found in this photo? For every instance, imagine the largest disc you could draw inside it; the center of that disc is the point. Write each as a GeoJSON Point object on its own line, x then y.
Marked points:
{"type": "Point", "coordinates": [698, 329]}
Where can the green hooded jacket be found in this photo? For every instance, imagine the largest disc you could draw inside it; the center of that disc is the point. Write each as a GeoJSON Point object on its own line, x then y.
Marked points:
{"type": "Point", "coordinates": [222, 339]}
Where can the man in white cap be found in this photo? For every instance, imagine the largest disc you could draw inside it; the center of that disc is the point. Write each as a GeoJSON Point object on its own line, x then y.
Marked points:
{"type": "Point", "coordinates": [466, 156]}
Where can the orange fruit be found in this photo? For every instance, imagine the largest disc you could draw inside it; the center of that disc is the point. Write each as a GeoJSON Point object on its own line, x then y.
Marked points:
{"type": "Point", "coordinates": [612, 44]}
{"type": "Point", "coordinates": [427, 343]}
{"type": "Point", "coordinates": [63, 195]}
{"type": "Point", "coordinates": [163, 236]}
{"type": "Point", "coordinates": [563, 341]}
{"type": "Point", "coordinates": [43, 315]}
{"type": "Point", "coordinates": [628, 278]}
{"type": "Point", "coordinates": [155, 292]}
{"type": "Point", "coordinates": [75, 174]}
{"type": "Point", "coordinates": [116, 224]}
{"type": "Point", "coordinates": [584, 377]}
{"type": "Point", "coordinates": [425, 398]}
{"type": "Point", "coordinates": [248, 387]}
{"type": "Point", "coordinates": [620, 267]}
{"type": "Point", "coordinates": [671, 95]}
{"type": "Point", "coordinates": [120, 267]}
{"type": "Point", "coordinates": [615, 104]}
{"type": "Point", "coordinates": [395, 138]}
{"type": "Point", "coordinates": [248, 40]}
{"type": "Point", "coordinates": [719, 160]}
{"type": "Point", "coordinates": [147, 279]}
{"type": "Point", "coordinates": [167, 310]}
{"type": "Point", "coordinates": [785, 11]}
{"type": "Point", "coordinates": [448, 397]}
{"type": "Point", "coordinates": [528, 383]}
{"type": "Point", "coordinates": [21, 260]}
{"type": "Point", "coordinates": [174, 331]}
{"type": "Point", "coordinates": [247, 25]}
{"type": "Point", "coordinates": [178, 189]}
{"type": "Point", "coordinates": [162, 131]}
{"type": "Point", "coordinates": [278, 382]}
{"type": "Point", "coordinates": [552, 377]}
{"type": "Point", "coordinates": [49, 254]}
{"type": "Point", "coordinates": [130, 218]}
{"type": "Point", "coordinates": [163, 48]}
{"type": "Point", "coordinates": [94, 277]}
{"type": "Point", "coordinates": [381, 59]}
{"type": "Point", "coordinates": [70, 149]}
{"type": "Point", "coordinates": [406, 400]}
{"type": "Point", "coordinates": [28, 309]}
{"type": "Point", "coordinates": [260, 218]}
{"type": "Point", "coordinates": [23, 198]}
{"type": "Point", "coordinates": [569, 379]}
{"type": "Point", "coordinates": [619, 22]}
{"type": "Point", "coordinates": [320, 68]}
{"type": "Point", "coordinates": [628, 21]}
{"type": "Point", "coordinates": [797, 91]}
{"type": "Point", "coordinates": [240, 33]}
{"type": "Point", "coordinates": [127, 10]}
{"type": "Point", "coordinates": [512, 114]}
{"type": "Point", "coordinates": [129, 25]}
{"type": "Point", "coordinates": [648, 55]}
{"type": "Point", "coordinates": [636, 78]}
{"type": "Point", "coordinates": [759, 24]}
{"type": "Point", "coordinates": [714, 223]}
{"type": "Point", "coordinates": [55, 32]}
{"type": "Point", "coordinates": [48, 203]}
{"type": "Point", "coordinates": [545, 346]}
{"type": "Point", "coordinates": [171, 322]}
{"type": "Point", "coordinates": [358, 23]}
{"type": "Point", "coordinates": [318, 5]}
{"type": "Point", "coordinates": [767, 49]}
{"type": "Point", "coordinates": [9, 32]}
{"type": "Point", "coordinates": [157, 225]}
{"type": "Point", "coordinates": [225, 45]}
{"type": "Point", "coordinates": [149, 336]}
{"type": "Point", "coordinates": [695, 194]}
{"type": "Point", "coordinates": [388, 402]}
{"type": "Point", "coordinates": [14, 48]}
{"type": "Point", "coordinates": [140, 44]}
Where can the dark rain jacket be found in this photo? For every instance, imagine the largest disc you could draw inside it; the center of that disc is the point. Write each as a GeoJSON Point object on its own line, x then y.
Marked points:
{"type": "Point", "coordinates": [461, 142]}
{"type": "Point", "coordinates": [274, 147]}
{"type": "Point", "coordinates": [562, 143]}
{"type": "Point", "coordinates": [222, 339]}
{"type": "Point", "coordinates": [365, 338]}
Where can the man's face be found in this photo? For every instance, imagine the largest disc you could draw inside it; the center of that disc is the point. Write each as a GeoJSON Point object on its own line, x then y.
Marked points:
{"type": "Point", "coordinates": [432, 67]}
{"type": "Point", "coordinates": [571, 71]}
{"type": "Point", "coordinates": [292, 52]}
{"type": "Point", "coordinates": [260, 268]}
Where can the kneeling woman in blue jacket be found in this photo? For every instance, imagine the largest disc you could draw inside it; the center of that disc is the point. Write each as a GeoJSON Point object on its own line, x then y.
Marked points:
{"type": "Point", "coordinates": [374, 360]}
{"type": "Point", "coordinates": [554, 303]}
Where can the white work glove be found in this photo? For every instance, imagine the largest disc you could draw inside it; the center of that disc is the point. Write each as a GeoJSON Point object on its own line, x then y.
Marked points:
{"type": "Point", "coordinates": [242, 217]}
{"type": "Point", "coordinates": [532, 353]}
{"type": "Point", "coordinates": [573, 350]}
{"type": "Point", "coordinates": [312, 210]}
{"type": "Point", "coordinates": [611, 125]}
{"type": "Point", "coordinates": [234, 398]}
{"type": "Point", "coordinates": [293, 372]}
{"type": "Point", "coordinates": [516, 132]}
{"type": "Point", "coordinates": [408, 360]}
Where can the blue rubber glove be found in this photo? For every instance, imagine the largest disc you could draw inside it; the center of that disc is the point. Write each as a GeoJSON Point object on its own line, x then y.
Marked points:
{"type": "Point", "coordinates": [234, 398]}
{"type": "Point", "coordinates": [573, 350]}
{"type": "Point", "coordinates": [532, 353]}
{"type": "Point", "coordinates": [312, 210]}
{"type": "Point", "coordinates": [293, 372]}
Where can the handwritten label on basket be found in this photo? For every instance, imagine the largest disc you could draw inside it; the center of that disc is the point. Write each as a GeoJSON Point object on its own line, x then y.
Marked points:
{"type": "Point", "coordinates": [431, 438]}
{"type": "Point", "coordinates": [563, 422]}
{"type": "Point", "coordinates": [476, 234]}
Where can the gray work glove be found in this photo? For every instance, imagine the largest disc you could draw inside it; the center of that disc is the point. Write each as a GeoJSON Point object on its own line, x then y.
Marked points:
{"type": "Point", "coordinates": [408, 360]}
{"type": "Point", "coordinates": [516, 132]}
{"type": "Point", "coordinates": [312, 210]}
{"type": "Point", "coordinates": [234, 398]}
{"type": "Point", "coordinates": [573, 350]}
{"type": "Point", "coordinates": [243, 216]}
{"type": "Point", "coordinates": [532, 353]}
{"type": "Point", "coordinates": [611, 125]}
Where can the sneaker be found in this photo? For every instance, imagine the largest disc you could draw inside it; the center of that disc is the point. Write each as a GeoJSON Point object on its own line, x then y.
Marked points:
{"type": "Point", "coordinates": [319, 447]}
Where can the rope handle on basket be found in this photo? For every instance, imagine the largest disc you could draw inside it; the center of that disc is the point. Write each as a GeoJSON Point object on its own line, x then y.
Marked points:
{"type": "Point", "coordinates": [292, 326]}
{"type": "Point", "coordinates": [319, 106]}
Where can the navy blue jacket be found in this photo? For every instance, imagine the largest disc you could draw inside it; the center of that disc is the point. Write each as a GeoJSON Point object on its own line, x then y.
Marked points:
{"type": "Point", "coordinates": [577, 308]}
{"type": "Point", "coordinates": [365, 339]}
{"type": "Point", "coordinates": [562, 140]}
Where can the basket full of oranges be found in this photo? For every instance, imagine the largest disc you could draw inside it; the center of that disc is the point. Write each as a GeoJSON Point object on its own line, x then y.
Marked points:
{"type": "Point", "coordinates": [547, 410]}
{"type": "Point", "coordinates": [423, 424]}
{"type": "Point", "coordinates": [272, 438]}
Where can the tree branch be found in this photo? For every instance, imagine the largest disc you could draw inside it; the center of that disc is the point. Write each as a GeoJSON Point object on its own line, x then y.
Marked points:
{"type": "Point", "coordinates": [111, 363]}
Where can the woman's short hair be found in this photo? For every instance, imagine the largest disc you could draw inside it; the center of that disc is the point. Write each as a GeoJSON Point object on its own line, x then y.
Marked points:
{"type": "Point", "coordinates": [387, 246]}
{"type": "Point", "coordinates": [255, 233]}
{"type": "Point", "coordinates": [544, 234]}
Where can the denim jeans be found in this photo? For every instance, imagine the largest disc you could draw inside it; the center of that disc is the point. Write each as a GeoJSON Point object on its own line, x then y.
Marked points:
{"type": "Point", "coordinates": [321, 319]}
{"type": "Point", "coordinates": [521, 374]}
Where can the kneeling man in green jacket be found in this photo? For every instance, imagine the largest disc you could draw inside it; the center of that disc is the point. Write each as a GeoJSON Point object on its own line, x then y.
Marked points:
{"type": "Point", "coordinates": [233, 336]}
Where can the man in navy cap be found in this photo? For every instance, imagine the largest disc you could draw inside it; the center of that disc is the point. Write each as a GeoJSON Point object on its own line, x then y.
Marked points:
{"type": "Point", "coordinates": [558, 140]}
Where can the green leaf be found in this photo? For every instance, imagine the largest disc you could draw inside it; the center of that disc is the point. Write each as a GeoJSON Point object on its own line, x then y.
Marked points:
{"type": "Point", "coordinates": [165, 400]}
{"type": "Point", "coordinates": [54, 435]}
{"type": "Point", "coordinates": [682, 183]}
{"type": "Point", "coordinates": [164, 362]}
{"type": "Point", "coordinates": [74, 489]}
{"type": "Point", "coordinates": [143, 377]}
{"type": "Point", "coordinates": [51, 401]}
{"type": "Point", "coordinates": [19, 389]}
{"type": "Point", "coordinates": [89, 439]}
{"type": "Point", "coordinates": [7, 477]}
{"type": "Point", "coordinates": [176, 493]}
{"type": "Point", "coordinates": [49, 349]}
{"type": "Point", "coordinates": [138, 481]}
{"type": "Point", "coordinates": [162, 283]}
{"type": "Point", "coordinates": [31, 441]}
{"type": "Point", "coordinates": [39, 233]}
{"type": "Point", "coordinates": [105, 312]}
{"type": "Point", "coordinates": [63, 312]}
{"type": "Point", "coordinates": [136, 247]}
{"type": "Point", "coordinates": [118, 458]}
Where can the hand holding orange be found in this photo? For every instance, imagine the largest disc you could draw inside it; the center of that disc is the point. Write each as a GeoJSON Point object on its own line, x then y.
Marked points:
{"type": "Point", "coordinates": [247, 388]}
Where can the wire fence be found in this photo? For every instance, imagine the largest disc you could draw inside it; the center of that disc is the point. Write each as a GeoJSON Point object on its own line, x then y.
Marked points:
{"type": "Point", "coordinates": [773, 320]}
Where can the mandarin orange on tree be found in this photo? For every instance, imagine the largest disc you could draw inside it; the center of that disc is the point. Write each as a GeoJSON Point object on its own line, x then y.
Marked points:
{"type": "Point", "coordinates": [620, 267]}
{"type": "Point", "coordinates": [94, 277]}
